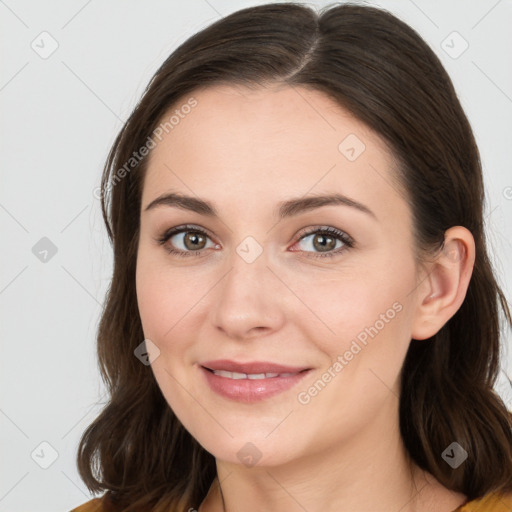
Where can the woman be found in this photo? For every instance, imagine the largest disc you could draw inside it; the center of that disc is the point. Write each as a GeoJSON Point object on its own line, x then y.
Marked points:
{"type": "Point", "coordinates": [302, 314]}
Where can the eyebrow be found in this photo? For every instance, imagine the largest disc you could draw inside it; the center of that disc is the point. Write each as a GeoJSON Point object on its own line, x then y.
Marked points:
{"type": "Point", "coordinates": [288, 208]}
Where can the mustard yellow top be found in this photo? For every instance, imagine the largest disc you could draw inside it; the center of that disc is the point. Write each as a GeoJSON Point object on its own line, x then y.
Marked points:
{"type": "Point", "coordinates": [93, 505]}
{"type": "Point", "coordinates": [489, 503]}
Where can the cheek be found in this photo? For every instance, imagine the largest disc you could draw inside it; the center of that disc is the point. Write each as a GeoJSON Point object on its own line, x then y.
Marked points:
{"type": "Point", "coordinates": [363, 317]}
{"type": "Point", "coordinates": [339, 308]}
{"type": "Point", "coordinates": [153, 302]}
{"type": "Point", "coordinates": [165, 298]}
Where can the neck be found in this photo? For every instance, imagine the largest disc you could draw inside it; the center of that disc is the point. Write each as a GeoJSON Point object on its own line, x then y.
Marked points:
{"type": "Point", "coordinates": [369, 472]}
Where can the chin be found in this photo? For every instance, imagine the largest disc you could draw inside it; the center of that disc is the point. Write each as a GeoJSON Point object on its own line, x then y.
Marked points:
{"type": "Point", "coordinates": [251, 450]}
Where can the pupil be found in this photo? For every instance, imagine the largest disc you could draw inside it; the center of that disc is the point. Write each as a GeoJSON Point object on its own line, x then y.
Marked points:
{"type": "Point", "coordinates": [327, 244]}
{"type": "Point", "coordinates": [194, 239]}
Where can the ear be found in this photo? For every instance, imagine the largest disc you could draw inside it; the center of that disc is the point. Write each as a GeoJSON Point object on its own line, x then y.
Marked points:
{"type": "Point", "coordinates": [443, 288]}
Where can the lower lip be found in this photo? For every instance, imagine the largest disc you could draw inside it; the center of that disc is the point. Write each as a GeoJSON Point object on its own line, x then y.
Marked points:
{"type": "Point", "coordinates": [250, 390]}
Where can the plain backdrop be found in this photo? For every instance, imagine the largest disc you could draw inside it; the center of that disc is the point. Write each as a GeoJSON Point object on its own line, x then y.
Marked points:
{"type": "Point", "coordinates": [71, 73]}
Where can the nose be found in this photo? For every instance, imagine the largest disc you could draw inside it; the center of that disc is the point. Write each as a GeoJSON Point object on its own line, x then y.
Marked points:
{"type": "Point", "coordinates": [248, 300]}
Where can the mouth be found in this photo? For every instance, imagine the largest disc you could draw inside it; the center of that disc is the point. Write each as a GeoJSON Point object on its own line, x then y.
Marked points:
{"type": "Point", "coordinates": [251, 376]}
{"type": "Point", "coordinates": [250, 382]}
{"type": "Point", "coordinates": [251, 368]}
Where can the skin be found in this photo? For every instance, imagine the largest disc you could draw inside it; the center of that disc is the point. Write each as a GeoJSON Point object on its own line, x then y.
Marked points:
{"type": "Point", "coordinates": [245, 151]}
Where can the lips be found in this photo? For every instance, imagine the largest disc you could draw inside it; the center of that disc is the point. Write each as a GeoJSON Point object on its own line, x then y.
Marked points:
{"type": "Point", "coordinates": [253, 368]}
{"type": "Point", "coordinates": [251, 376]}
{"type": "Point", "coordinates": [250, 382]}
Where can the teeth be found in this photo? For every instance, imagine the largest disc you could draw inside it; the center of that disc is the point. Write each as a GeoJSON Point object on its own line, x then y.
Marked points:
{"type": "Point", "coordinates": [250, 376]}
{"type": "Point", "coordinates": [256, 376]}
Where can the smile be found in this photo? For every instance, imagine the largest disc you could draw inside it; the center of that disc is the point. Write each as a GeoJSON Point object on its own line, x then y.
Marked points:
{"type": "Point", "coordinates": [252, 376]}
{"type": "Point", "coordinates": [251, 387]}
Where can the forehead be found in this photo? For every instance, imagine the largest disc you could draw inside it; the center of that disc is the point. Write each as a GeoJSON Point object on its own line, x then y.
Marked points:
{"type": "Point", "coordinates": [269, 142]}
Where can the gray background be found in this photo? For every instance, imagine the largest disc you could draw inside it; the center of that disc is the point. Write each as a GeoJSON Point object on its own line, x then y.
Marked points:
{"type": "Point", "coordinates": [60, 114]}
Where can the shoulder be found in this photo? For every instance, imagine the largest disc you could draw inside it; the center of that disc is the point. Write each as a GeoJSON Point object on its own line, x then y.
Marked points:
{"type": "Point", "coordinates": [492, 502]}
{"type": "Point", "coordinates": [94, 505]}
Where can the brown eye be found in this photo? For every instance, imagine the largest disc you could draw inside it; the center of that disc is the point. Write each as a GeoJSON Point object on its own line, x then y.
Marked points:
{"type": "Point", "coordinates": [323, 242]}
{"type": "Point", "coordinates": [186, 241]}
{"type": "Point", "coordinates": [326, 241]}
{"type": "Point", "coordinates": [194, 241]}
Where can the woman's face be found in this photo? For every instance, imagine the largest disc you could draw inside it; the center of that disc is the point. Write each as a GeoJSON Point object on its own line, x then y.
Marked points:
{"type": "Point", "coordinates": [262, 281]}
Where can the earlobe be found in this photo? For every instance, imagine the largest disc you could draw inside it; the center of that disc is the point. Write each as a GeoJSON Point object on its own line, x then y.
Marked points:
{"type": "Point", "coordinates": [445, 285]}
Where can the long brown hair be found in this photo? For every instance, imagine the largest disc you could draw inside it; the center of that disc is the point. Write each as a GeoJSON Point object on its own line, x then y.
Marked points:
{"type": "Point", "coordinates": [382, 71]}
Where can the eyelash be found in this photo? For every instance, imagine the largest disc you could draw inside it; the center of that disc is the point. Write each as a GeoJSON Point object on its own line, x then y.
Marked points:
{"type": "Point", "coordinates": [336, 233]}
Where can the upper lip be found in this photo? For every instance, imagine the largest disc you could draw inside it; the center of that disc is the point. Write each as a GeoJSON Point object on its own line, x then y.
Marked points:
{"type": "Point", "coordinates": [253, 367]}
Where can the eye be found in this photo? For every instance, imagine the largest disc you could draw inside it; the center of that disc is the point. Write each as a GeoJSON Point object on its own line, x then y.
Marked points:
{"type": "Point", "coordinates": [325, 240]}
{"type": "Point", "coordinates": [191, 240]}
{"type": "Point", "coordinates": [186, 241]}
